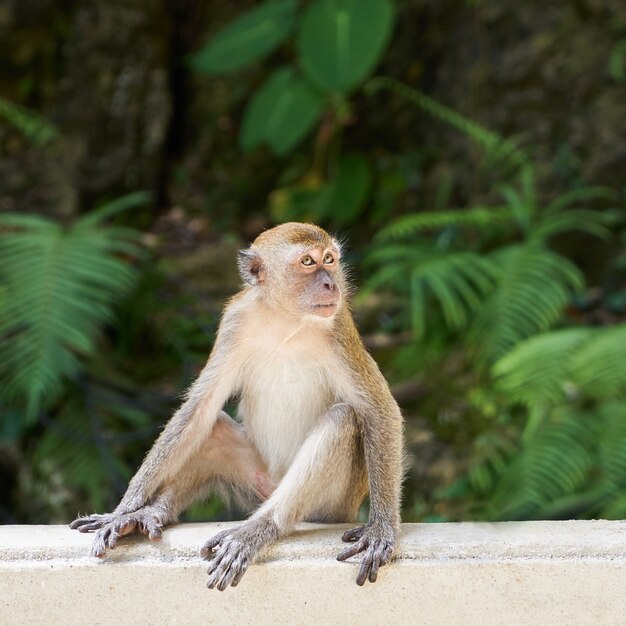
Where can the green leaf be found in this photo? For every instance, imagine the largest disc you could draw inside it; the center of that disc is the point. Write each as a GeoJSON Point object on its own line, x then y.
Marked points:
{"type": "Point", "coordinates": [616, 61]}
{"type": "Point", "coordinates": [493, 144]}
{"type": "Point", "coordinates": [250, 37]}
{"type": "Point", "coordinates": [60, 285]}
{"type": "Point", "coordinates": [339, 201]}
{"type": "Point", "coordinates": [480, 217]}
{"type": "Point", "coordinates": [553, 464]}
{"type": "Point", "coordinates": [536, 372]}
{"type": "Point", "coordinates": [536, 286]}
{"type": "Point", "coordinates": [108, 209]}
{"type": "Point", "coordinates": [600, 366]}
{"type": "Point", "coordinates": [348, 191]}
{"type": "Point", "coordinates": [280, 113]}
{"type": "Point", "coordinates": [32, 125]}
{"type": "Point", "coordinates": [341, 41]}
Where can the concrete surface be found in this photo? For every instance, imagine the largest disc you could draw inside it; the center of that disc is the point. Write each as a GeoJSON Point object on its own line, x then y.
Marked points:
{"type": "Point", "coordinates": [527, 573]}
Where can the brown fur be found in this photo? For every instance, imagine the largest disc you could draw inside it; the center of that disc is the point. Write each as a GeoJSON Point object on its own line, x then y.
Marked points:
{"type": "Point", "coordinates": [320, 426]}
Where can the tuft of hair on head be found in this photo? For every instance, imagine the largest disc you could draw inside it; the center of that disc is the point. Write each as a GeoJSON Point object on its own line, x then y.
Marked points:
{"type": "Point", "coordinates": [295, 233]}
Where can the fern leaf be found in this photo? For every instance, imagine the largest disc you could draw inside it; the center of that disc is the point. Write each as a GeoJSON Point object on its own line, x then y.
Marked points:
{"type": "Point", "coordinates": [600, 367]}
{"type": "Point", "coordinates": [554, 463]}
{"type": "Point", "coordinates": [575, 196]}
{"type": "Point", "coordinates": [536, 286]}
{"type": "Point", "coordinates": [536, 371]}
{"type": "Point", "coordinates": [458, 282]}
{"type": "Point", "coordinates": [591, 222]}
{"type": "Point", "coordinates": [408, 225]}
{"type": "Point", "coordinates": [32, 125]}
{"type": "Point", "coordinates": [487, 139]}
{"type": "Point", "coordinates": [611, 448]}
{"type": "Point", "coordinates": [60, 285]}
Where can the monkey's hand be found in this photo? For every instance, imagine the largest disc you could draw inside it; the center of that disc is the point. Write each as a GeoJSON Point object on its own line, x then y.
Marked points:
{"type": "Point", "coordinates": [377, 541]}
{"type": "Point", "coordinates": [110, 527]}
{"type": "Point", "coordinates": [232, 551]}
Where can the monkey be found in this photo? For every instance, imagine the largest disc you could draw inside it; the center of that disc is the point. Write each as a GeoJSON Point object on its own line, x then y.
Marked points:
{"type": "Point", "coordinates": [317, 428]}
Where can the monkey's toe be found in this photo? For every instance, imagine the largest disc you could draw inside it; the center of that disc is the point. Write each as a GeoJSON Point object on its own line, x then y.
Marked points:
{"type": "Point", "coordinates": [208, 550]}
{"type": "Point", "coordinates": [353, 534]}
{"type": "Point", "coordinates": [89, 523]}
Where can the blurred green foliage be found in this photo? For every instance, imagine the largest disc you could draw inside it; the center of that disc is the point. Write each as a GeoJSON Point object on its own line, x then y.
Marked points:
{"type": "Point", "coordinates": [495, 303]}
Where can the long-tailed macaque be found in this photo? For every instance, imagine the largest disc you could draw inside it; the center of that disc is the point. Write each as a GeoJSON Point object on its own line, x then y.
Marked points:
{"type": "Point", "coordinates": [319, 425]}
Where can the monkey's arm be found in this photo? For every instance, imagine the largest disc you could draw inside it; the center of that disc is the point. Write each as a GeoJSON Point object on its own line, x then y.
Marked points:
{"type": "Point", "coordinates": [151, 490]}
{"type": "Point", "coordinates": [192, 423]}
{"type": "Point", "coordinates": [381, 425]}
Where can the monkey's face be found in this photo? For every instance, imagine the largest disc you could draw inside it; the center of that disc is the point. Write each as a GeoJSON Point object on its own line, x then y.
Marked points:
{"type": "Point", "coordinates": [314, 276]}
{"type": "Point", "coordinates": [295, 268]}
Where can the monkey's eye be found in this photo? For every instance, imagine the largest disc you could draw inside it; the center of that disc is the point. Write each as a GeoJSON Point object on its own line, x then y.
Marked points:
{"type": "Point", "coordinates": [328, 259]}
{"type": "Point", "coordinates": [308, 261]}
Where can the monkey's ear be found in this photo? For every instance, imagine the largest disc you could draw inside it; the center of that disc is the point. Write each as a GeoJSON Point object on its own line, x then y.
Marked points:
{"type": "Point", "coordinates": [251, 266]}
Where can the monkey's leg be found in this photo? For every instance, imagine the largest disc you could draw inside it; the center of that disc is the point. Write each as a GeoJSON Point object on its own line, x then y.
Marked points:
{"type": "Point", "coordinates": [227, 457]}
{"type": "Point", "coordinates": [326, 481]}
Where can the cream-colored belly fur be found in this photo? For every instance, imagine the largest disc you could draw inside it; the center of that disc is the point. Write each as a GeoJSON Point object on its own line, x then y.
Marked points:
{"type": "Point", "coordinates": [284, 393]}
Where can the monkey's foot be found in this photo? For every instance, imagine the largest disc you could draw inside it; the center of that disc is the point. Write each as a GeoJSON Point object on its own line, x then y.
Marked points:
{"type": "Point", "coordinates": [376, 541]}
{"type": "Point", "coordinates": [110, 527]}
{"type": "Point", "coordinates": [232, 551]}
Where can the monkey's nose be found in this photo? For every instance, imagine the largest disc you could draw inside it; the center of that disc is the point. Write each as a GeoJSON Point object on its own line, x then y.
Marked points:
{"type": "Point", "coordinates": [329, 284]}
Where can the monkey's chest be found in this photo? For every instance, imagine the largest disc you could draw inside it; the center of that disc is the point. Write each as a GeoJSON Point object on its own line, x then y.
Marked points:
{"type": "Point", "coordinates": [282, 400]}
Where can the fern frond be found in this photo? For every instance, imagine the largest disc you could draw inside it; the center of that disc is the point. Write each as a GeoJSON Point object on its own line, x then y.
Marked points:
{"type": "Point", "coordinates": [574, 196]}
{"type": "Point", "coordinates": [490, 141]}
{"type": "Point", "coordinates": [536, 371]}
{"type": "Point", "coordinates": [32, 125]}
{"type": "Point", "coordinates": [536, 286]}
{"type": "Point", "coordinates": [581, 220]}
{"type": "Point", "coordinates": [408, 225]}
{"type": "Point", "coordinates": [554, 463]}
{"type": "Point", "coordinates": [600, 366]}
{"type": "Point", "coordinates": [522, 202]}
{"type": "Point", "coordinates": [114, 207]}
{"type": "Point", "coordinates": [60, 285]}
{"type": "Point", "coordinates": [457, 281]}
{"type": "Point", "coordinates": [611, 446]}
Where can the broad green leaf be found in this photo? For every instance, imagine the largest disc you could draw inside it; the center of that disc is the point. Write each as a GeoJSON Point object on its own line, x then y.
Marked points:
{"type": "Point", "coordinates": [339, 200]}
{"type": "Point", "coordinates": [349, 190]}
{"type": "Point", "coordinates": [280, 113]}
{"type": "Point", "coordinates": [341, 41]}
{"type": "Point", "coordinates": [250, 37]}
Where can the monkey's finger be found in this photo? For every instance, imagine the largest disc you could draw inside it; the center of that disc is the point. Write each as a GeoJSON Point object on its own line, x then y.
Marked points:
{"type": "Point", "coordinates": [87, 528]}
{"type": "Point", "coordinates": [98, 548]}
{"type": "Point", "coordinates": [353, 534]}
{"type": "Point", "coordinates": [216, 577]}
{"type": "Point", "coordinates": [377, 561]}
{"type": "Point", "coordinates": [228, 577]}
{"type": "Point", "coordinates": [242, 570]}
{"type": "Point", "coordinates": [387, 555]}
{"type": "Point", "coordinates": [366, 564]}
{"type": "Point", "coordinates": [374, 570]}
{"type": "Point", "coordinates": [154, 532]}
{"type": "Point", "coordinates": [207, 549]}
{"type": "Point", "coordinates": [346, 553]}
{"type": "Point", "coordinates": [81, 521]}
{"type": "Point", "coordinates": [224, 561]}
{"type": "Point", "coordinates": [113, 537]}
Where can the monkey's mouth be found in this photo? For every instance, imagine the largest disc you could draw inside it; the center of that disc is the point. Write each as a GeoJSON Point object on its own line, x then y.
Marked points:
{"type": "Point", "coordinates": [325, 310]}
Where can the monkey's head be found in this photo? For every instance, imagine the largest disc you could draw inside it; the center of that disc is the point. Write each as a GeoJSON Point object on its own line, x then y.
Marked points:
{"type": "Point", "coordinates": [295, 267]}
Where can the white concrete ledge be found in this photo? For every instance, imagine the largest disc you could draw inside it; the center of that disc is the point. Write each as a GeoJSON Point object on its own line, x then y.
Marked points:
{"type": "Point", "coordinates": [505, 573]}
